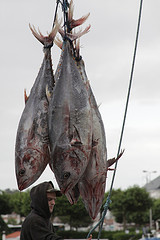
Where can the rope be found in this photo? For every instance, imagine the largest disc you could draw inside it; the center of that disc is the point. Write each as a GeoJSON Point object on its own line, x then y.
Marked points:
{"type": "Point", "coordinates": [55, 15]}
{"type": "Point", "coordinates": [65, 6]}
{"type": "Point", "coordinates": [65, 12]}
{"type": "Point", "coordinates": [108, 201]}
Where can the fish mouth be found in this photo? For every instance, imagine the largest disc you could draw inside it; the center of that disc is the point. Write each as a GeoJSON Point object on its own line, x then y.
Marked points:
{"type": "Point", "coordinates": [22, 185]}
{"type": "Point", "coordinates": [68, 187]}
{"type": "Point", "coordinates": [70, 199]}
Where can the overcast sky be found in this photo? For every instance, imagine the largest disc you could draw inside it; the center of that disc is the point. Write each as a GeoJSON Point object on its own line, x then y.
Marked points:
{"type": "Point", "coordinates": [107, 51]}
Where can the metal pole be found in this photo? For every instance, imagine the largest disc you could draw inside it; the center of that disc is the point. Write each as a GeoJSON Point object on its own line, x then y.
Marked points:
{"type": "Point", "coordinates": [150, 218]}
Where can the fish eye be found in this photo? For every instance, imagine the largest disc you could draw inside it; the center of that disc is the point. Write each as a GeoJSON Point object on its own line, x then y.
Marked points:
{"type": "Point", "coordinates": [21, 172]}
{"type": "Point", "coordinates": [66, 175]}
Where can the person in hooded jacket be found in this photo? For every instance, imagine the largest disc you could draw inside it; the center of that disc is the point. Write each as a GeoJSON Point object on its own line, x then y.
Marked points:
{"type": "Point", "coordinates": [37, 225]}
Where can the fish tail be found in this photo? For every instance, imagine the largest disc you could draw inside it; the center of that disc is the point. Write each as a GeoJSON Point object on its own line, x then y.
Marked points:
{"type": "Point", "coordinates": [58, 42]}
{"type": "Point", "coordinates": [81, 33]}
{"type": "Point", "coordinates": [74, 36]}
{"type": "Point", "coordinates": [74, 23]}
{"type": "Point", "coordinates": [78, 22]}
{"type": "Point", "coordinates": [70, 12]}
{"type": "Point", "coordinates": [47, 41]}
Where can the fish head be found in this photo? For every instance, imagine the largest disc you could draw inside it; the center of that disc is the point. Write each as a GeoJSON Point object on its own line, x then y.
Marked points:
{"type": "Point", "coordinates": [68, 166]}
{"type": "Point", "coordinates": [29, 166]}
{"type": "Point", "coordinates": [92, 192]}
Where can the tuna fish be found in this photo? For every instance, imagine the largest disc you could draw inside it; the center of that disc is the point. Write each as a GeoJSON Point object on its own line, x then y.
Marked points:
{"type": "Point", "coordinates": [32, 141]}
{"type": "Point", "coordinates": [70, 123]}
{"type": "Point", "coordinates": [92, 184]}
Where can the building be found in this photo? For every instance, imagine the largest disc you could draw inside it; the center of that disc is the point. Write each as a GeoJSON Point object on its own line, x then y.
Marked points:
{"type": "Point", "coordinates": [153, 188]}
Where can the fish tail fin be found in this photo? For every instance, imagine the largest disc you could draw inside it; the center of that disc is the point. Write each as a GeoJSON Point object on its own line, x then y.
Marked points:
{"type": "Point", "coordinates": [81, 33]}
{"type": "Point", "coordinates": [58, 42]}
{"type": "Point", "coordinates": [78, 22]}
{"type": "Point", "coordinates": [70, 12]}
{"type": "Point", "coordinates": [74, 23]}
{"type": "Point", "coordinates": [74, 36]}
{"type": "Point", "coordinates": [47, 41]}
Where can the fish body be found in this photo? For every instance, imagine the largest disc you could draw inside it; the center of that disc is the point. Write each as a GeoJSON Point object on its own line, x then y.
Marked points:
{"type": "Point", "coordinates": [70, 123]}
{"type": "Point", "coordinates": [32, 141]}
{"type": "Point", "coordinates": [92, 184]}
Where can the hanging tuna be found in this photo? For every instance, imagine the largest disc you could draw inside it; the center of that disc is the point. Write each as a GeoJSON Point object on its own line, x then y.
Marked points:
{"type": "Point", "coordinates": [32, 141]}
{"type": "Point", "coordinates": [61, 124]}
{"type": "Point", "coordinates": [70, 123]}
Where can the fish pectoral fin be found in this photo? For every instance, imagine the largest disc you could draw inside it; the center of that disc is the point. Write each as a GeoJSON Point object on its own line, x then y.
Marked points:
{"type": "Point", "coordinates": [111, 161]}
{"type": "Point", "coordinates": [25, 96]}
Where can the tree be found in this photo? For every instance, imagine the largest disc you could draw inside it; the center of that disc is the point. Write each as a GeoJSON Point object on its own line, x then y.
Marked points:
{"type": "Point", "coordinates": [20, 202]}
{"type": "Point", "coordinates": [156, 209]}
{"type": "Point", "coordinates": [16, 202]}
{"type": "Point", "coordinates": [4, 203]}
{"type": "Point", "coordinates": [75, 215]}
{"type": "Point", "coordinates": [131, 205]}
{"type": "Point", "coordinates": [139, 204]}
{"type": "Point", "coordinates": [26, 203]}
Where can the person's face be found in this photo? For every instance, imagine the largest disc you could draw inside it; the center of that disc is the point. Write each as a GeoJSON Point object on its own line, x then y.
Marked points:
{"type": "Point", "coordinates": [51, 201]}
